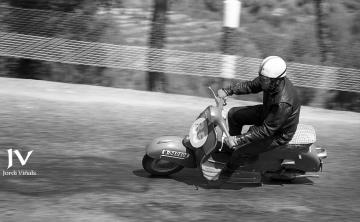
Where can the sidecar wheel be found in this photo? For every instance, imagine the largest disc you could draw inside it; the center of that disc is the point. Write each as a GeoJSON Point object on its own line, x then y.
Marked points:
{"type": "Point", "coordinates": [159, 167]}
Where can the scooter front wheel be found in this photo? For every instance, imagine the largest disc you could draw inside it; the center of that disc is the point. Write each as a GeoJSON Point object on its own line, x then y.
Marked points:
{"type": "Point", "coordinates": [159, 167]}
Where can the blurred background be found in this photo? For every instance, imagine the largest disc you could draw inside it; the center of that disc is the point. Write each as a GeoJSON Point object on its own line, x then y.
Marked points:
{"type": "Point", "coordinates": [182, 46]}
{"type": "Point", "coordinates": [89, 142]}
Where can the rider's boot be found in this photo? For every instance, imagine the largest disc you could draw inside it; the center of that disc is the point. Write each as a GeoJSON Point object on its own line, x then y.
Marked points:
{"type": "Point", "coordinates": [231, 167]}
{"type": "Point", "coordinates": [227, 171]}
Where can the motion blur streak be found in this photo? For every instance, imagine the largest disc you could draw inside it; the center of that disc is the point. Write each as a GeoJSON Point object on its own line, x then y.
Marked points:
{"type": "Point", "coordinates": [88, 143]}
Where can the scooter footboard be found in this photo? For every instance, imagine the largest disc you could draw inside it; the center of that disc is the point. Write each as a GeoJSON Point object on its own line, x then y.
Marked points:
{"type": "Point", "coordinates": [171, 148]}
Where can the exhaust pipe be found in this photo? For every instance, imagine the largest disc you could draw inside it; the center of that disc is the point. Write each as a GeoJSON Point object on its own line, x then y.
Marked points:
{"type": "Point", "coordinates": [307, 175]}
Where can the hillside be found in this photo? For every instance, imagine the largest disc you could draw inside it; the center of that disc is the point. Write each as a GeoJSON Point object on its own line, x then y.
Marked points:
{"type": "Point", "coordinates": [285, 28]}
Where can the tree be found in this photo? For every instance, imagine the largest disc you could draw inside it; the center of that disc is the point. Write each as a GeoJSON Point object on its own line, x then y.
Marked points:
{"type": "Point", "coordinates": [323, 33]}
{"type": "Point", "coordinates": [326, 50]}
{"type": "Point", "coordinates": [156, 79]}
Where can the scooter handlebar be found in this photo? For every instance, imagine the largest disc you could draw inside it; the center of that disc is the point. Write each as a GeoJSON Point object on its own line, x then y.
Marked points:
{"type": "Point", "coordinates": [219, 100]}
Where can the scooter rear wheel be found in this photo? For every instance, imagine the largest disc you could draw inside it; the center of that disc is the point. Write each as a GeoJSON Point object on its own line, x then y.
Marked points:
{"type": "Point", "coordinates": [159, 167]}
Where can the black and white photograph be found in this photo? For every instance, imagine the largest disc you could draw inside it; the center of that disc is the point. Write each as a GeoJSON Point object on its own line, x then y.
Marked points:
{"type": "Point", "coordinates": [179, 110]}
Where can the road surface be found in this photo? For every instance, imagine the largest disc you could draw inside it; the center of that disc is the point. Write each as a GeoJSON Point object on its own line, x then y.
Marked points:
{"type": "Point", "coordinates": [88, 143]}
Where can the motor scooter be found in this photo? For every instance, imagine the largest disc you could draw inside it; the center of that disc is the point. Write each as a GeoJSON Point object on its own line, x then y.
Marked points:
{"type": "Point", "coordinates": [204, 148]}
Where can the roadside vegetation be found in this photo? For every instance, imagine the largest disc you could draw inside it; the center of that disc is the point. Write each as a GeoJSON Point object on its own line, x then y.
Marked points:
{"type": "Point", "coordinates": [319, 32]}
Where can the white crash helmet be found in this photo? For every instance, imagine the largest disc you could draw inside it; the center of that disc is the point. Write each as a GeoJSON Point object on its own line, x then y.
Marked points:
{"type": "Point", "coordinates": [273, 67]}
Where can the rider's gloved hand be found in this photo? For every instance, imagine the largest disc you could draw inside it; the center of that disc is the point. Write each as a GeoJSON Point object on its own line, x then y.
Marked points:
{"type": "Point", "coordinates": [222, 93]}
{"type": "Point", "coordinates": [231, 141]}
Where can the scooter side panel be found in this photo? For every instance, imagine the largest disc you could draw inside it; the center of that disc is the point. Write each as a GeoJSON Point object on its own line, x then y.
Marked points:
{"type": "Point", "coordinates": [305, 159]}
{"type": "Point", "coordinates": [309, 161]}
{"type": "Point", "coordinates": [172, 149]}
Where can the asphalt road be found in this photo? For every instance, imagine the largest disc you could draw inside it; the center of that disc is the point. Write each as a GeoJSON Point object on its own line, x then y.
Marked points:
{"type": "Point", "coordinates": [88, 143]}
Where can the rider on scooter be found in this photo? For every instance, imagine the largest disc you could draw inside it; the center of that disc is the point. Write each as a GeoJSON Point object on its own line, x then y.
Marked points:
{"type": "Point", "coordinates": [274, 122]}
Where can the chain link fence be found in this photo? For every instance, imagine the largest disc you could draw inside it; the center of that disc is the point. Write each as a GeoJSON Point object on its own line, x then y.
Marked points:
{"type": "Point", "coordinates": [118, 38]}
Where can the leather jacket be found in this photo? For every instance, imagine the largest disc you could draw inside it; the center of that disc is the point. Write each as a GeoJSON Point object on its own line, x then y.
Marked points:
{"type": "Point", "coordinates": [281, 111]}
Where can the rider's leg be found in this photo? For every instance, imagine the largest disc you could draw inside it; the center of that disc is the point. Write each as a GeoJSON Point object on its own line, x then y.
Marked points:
{"type": "Point", "coordinates": [240, 116]}
{"type": "Point", "coordinates": [242, 155]}
{"type": "Point", "coordinates": [248, 152]}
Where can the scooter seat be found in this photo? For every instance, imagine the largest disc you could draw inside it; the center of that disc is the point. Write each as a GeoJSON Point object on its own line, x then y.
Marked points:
{"type": "Point", "coordinates": [305, 134]}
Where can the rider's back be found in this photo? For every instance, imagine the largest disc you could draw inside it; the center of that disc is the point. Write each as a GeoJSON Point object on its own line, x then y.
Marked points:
{"type": "Point", "coordinates": [286, 94]}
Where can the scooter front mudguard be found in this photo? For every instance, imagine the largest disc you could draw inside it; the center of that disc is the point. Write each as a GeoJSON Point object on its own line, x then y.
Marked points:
{"type": "Point", "coordinates": [171, 148]}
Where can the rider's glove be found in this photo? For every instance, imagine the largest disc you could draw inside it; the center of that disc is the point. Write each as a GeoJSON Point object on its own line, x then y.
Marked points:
{"type": "Point", "coordinates": [231, 141]}
{"type": "Point", "coordinates": [222, 93]}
